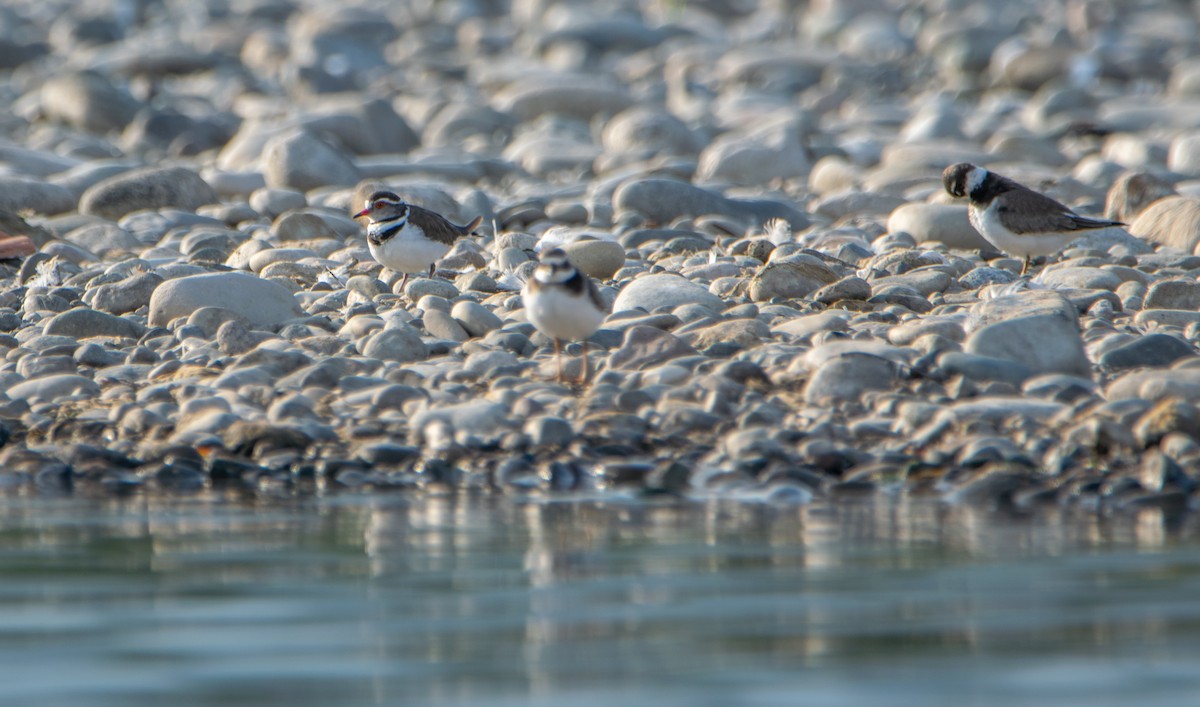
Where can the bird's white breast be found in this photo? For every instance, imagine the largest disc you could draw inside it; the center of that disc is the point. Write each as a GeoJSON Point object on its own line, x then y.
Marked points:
{"type": "Point", "coordinates": [987, 221]}
{"type": "Point", "coordinates": [408, 251]}
{"type": "Point", "coordinates": [560, 314]}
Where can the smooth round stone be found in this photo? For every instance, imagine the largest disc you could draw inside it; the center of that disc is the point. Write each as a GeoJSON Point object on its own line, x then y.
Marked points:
{"type": "Point", "coordinates": [475, 318]}
{"type": "Point", "coordinates": [422, 286]}
{"type": "Point", "coordinates": [21, 194]}
{"type": "Point", "coordinates": [756, 158]}
{"type": "Point", "coordinates": [440, 324]}
{"type": "Point", "coordinates": [88, 101]}
{"type": "Point", "coordinates": [233, 337]}
{"type": "Point", "coordinates": [857, 203]}
{"type": "Point", "coordinates": [262, 303]}
{"type": "Point", "coordinates": [209, 319]}
{"type": "Point", "coordinates": [641, 128]}
{"type": "Point", "coordinates": [509, 259]}
{"type": "Point", "coordinates": [1131, 193]}
{"type": "Point", "coordinates": [1183, 156]}
{"type": "Point", "coordinates": [305, 274]}
{"type": "Point", "coordinates": [1177, 318]}
{"type": "Point", "coordinates": [647, 347]}
{"type": "Point", "coordinates": [79, 178]}
{"type": "Point", "coordinates": [481, 420]}
{"type": "Point", "coordinates": [848, 288]}
{"type": "Point", "coordinates": [1027, 148]}
{"type": "Point", "coordinates": [459, 120]}
{"type": "Point", "coordinates": [1134, 151]}
{"type": "Point", "coordinates": [796, 276]}
{"type": "Point", "coordinates": [984, 368]}
{"type": "Point", "coordinates": [125, 296]}
{"type": "Point", "coordinates": [204, 239]}
{"type": "Point", "coordinates": [925, 282]}
{"type": "Point", "coordinates": [476, 282]}
{"type": "Point", "coordinates": [1183, 382]}
{"type": "Point", "coordinates": [301, 226]}
{"type": "Point", "coordinates": [300, 160]}
{"type": "Point", "coordinates": [84, 323]}
{"type": "Point", "coordinates": [149, 188]}
{"type": "Point", "coordinates": [489, 362]}
{"type": "Point", "coordinates": [948, 326]}
{"type": "Point", "coordinates": [262, 259]}
{"type": "Point", "coordinates": [1151, 350]}
{"type": "Point", "coordinates": [663, 200]}
{"type": "Point", "coordinates": [845, 378]}
{"type": "Point", "coordinates": [53, 388]}
{"type": "Point", "coordinates": [39, 366]}
{"type": "Point", "coordinates": [38, 163]}
{"type": "Point", "coordinates": [1083, 278]}
{"type": "Point", "coordinates": [651, 292]}
{"type": "Point", "coordinates": [430, 303]}
{"type": "Point", "coordinates": [946, 223]}
{"type": "Point", "coordinates": [986, 275]}
{"type": "Point", "coordinates": [1030, 67]}
{"type": "Point", "coordinates": [543, 155]}
{"type": "Point", "coordinates": [1045, 343]}
{"type": "Point", "coordinates": [273, 202]}
{"type": "Point", "coordinates": [232, 184]}
{"type": "Point", "coordinates": [576, 97]}
{"type": "Point", "coordinates": [1173, 294]}
{"type": "Point", "coordinates": [833, 174]}
{"type": "Point", "coordinates": [549, 431]}
{"type": "Point", "coordinates": [737, 333]}
{"type": "Point", "coordinates": [359, 326]}
{"type": "Point", "coordinates": [396, 342]}
{"type": "Point", "coordinates": [596, 258]}
{"type": "Point", "coordinates": [809, 325]}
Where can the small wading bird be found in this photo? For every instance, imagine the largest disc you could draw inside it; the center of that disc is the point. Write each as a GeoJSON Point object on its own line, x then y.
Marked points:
{"type": "Point", "coordinates": [407, 238]}
{"type": "Point", "coordinates": [564, 304]}
{"type": "Point", "coordinates": [1014, 218]}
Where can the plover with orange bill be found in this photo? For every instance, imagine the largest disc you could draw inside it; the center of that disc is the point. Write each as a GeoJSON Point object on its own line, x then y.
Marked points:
{"type": "Point", "coordinates": [407, 238]}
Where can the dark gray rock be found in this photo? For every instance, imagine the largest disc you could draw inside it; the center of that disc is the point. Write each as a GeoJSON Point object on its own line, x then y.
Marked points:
{"type": "Point", "coordinates": [88, 101]}
{"type": "Point", "coordinates": [1151, 350]}
{"type": "Point", "coordinates": [441, 325]}
{"type": "Point", "coordinates": [843, 379]}
{"type": "Point", "coordinates": [19, 194]}
{"type": "Point", "coordinates": [984, 368]}
{"type": "Point", "coordinates": [646, 347]}
{"type": "Point", "coordinates": [83, 323]}
{"type": "Point", "coordinates": [150, 188]}
{"type": "Point", "coordinates": [660, 200]}
{"type": "Point", "coordinates": [300, 160]}
{"type": "Point", "coordinates": [1173, 294]}
{"type": "Point", "coordinates": [125, 296]}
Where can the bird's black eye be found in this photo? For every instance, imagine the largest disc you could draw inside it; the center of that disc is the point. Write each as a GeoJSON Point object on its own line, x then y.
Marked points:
{"type": "Point", "coordinates": [379, 204]}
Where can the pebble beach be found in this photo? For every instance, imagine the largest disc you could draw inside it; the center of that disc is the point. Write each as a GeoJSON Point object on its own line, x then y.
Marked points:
{"type": "Point", "coordinates": [799, 309]}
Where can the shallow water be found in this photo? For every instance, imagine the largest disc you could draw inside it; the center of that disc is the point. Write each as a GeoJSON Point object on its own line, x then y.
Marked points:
{"type": "Point", "coordinates": [391, 600]}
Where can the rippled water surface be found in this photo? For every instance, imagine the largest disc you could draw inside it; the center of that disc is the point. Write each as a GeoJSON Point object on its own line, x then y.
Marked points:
{"type": "Point", "coordinates": [387, 600]}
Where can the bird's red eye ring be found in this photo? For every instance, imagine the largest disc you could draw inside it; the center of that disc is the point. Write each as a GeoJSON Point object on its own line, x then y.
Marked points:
{"type": "Point", "coordinates": [379, 204]}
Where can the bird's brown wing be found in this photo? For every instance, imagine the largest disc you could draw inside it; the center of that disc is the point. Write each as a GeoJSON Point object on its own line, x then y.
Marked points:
{"type": "Point", "coordinates": [1038, 213]}
{"type": "Point", "coordinates": [437, 227]}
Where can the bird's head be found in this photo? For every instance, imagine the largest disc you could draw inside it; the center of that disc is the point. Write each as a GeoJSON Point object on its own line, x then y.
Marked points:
{"type": "Point", "coordinates": [383, 206]}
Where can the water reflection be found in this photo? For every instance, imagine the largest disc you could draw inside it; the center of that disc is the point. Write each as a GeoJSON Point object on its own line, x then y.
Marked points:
{"type": "Point", "coordinates": [461, 599]}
